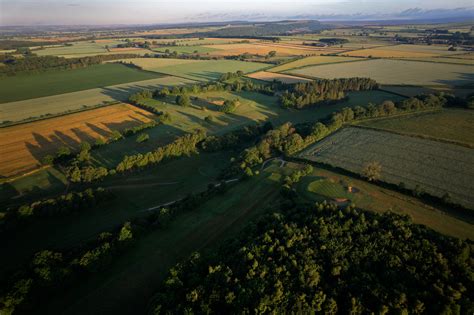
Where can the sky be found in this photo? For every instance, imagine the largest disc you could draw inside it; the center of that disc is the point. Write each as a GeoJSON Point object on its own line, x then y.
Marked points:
{"type": "Point", "coordinates": [104, 12]}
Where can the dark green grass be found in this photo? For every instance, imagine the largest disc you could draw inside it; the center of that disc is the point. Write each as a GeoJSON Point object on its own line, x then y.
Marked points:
{"type": "Point", "coordinates": [27, 86]}
{"type": "Point", "coordinates": [253, 107]}
{"type": "Point", "coordinates": [362, 98]}
{"type": "Point", "coordinates": [134, 192]}
{"type": "Point", "coordinates": [129, 283]}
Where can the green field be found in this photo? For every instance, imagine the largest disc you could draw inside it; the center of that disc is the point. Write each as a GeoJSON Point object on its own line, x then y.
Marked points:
{"type": "Point", "coordinates": [253, 107]}
{"type": "Point", "coordinates": [363, 98]}
{"type": "Point", "coordinates": [129, 283]}
{"type": "Point", "coordinates": [311, 61]}
{"type": "Point", "coordinates": [199, 70]}
{"type": "Point", "coordinates": [27, 86]}
{"type": "Point", "coordinates": [77, 48]}
{"type": "Point", "coordinates": [323, 184]}
{"type": "Point", "coordinates": [397, 72]}
{"type": "Point", "coordinates": [86, 48]}
{"type": "Point", "coordinates": [451, 125]}
{"type": "Point", "coordinates": [133, 194]}
{"type": "Point", "coordinates": [56, 104]}
{"type": "Point", "coordinates": [436, 167]}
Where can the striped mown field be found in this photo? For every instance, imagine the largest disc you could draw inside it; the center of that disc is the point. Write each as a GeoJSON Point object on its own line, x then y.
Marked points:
{"type": "Point", "coordinates": [435, 167]}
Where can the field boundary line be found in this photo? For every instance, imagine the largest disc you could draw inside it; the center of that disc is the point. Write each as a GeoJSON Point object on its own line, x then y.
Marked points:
{"type": "Point", "coordinates": [360, 49]}
{"type": "Point", "coordinates": [18, 176]}
{"type": "Point", "coordinates": [419, 136]}
{"type": "Point", "coordinates": [429, 61]}
{"type": "Point", "coordinates": [61, 114]}
{"type": "Point", "coordinates": [328, 63]}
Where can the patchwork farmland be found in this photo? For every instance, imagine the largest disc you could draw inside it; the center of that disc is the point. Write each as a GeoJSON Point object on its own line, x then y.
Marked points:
{"type": "Point", "coordinates": [74, 101]}
{"type": "Point", "coordinates": [435, 167]}
{"type": "Point", "coordinates": [311, 61]}
{"type": "Point", "coordinates": [447, 125]}
{"type": "Point", "coordinates": [27, 86]}
{"type": "Point", "coordinates": [393, 72]}
{"type": "Point", "coordinates": [97, 230]}
{"type": "Point", "coordinates": [198, 70]}
{"type": "Point", "coordinates": [402, 51]}
{"type": "Point", "coordinates": [24, 146]}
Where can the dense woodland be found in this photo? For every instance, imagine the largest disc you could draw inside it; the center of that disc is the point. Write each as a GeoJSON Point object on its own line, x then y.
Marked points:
{"type": "Point", "coordinates": [33, 64]}
{"type": "Point", "coordinates": [317, 258]}
{"type": "Point", "coordinates": [323, 91]}
{"type": "Point", "coordinates": [61, 205]}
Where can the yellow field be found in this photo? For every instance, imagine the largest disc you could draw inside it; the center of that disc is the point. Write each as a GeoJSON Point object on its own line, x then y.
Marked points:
{"type": "Point", "coordinates": [311, 61]}
{"type": "Point", "coordinates": [385, 53]}
{"type": "Point", "coordinates": [459, 61]}
{"type": "Point", "coordinates": [22, 147]}
{"type": "Point", "coordinates": [469, 56]}
{"type": "Point", "coordinates": [269, 76]}
{"type": "Point", "coordinates": [264, 49]}
{"type": "Point", "coordinates": [402, 51]}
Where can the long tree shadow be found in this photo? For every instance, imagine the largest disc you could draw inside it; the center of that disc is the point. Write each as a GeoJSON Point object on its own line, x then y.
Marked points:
{"type": "Point", "coordinates": [464, 80]}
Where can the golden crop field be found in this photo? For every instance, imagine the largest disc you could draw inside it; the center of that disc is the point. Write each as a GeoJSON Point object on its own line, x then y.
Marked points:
{"type": "Point", "coordinates": [264, 49]}
{"type": "Point", "coordinates": [402, 51]}
{"type": "Point", "coordinates": [311, 61]}
{"type": "Point", "coordinates": [453, 60]}
{"type": "Point", "coordinates": [22, 147]}
{"type": "Point", "coordinates": [270, 76]}
{"type": "Point", "coordinates": [392, 72]}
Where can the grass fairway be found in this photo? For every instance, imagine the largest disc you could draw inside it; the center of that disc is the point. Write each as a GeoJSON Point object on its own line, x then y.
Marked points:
{"type": "Point", "coordinates": [27, 86]}
{"type": "Point", "coordinates": [134, 193]}
{"type": "Point", "coordinates": [56, 104]}
{"type": "Point", "coordinates": [435, 167]}
{"type": "Point", "coordinates": [327, 184]}
{"type": "Point", "coordinates": [451, 125]}
{"type": "Point", "coordinates": [397, 72]}
{"type": "Point", "coordinates": [311, 61]}
{"type": "Point", "coordinates": [129, 283]}
{"type": "Point", "coordinates": [199, 70]}
{"type": "Point", "coordinates": [328, 189]}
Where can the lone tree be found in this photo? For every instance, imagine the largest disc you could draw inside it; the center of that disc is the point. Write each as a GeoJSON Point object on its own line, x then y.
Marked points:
{"type": "Point", "coordinates": [372, 171]}
{"type": "Point", "coordinates": [183, 100]}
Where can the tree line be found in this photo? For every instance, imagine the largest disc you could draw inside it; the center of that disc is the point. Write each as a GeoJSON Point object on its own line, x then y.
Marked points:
{"type": "Point", "coordinates": [61, 205]}
{"type": "Point", "coordinates": [65, 154]}
{"type": "Point", "coordinates": [34, 64]}
{"type": "Point", "coordinates": [318, 258]}
{"type": "Point", "coordinates": [323, 91]}
{"type": "Point", "coordinates": [288, 139]}
{"type": "Point", "coordinates": [184, 145]}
